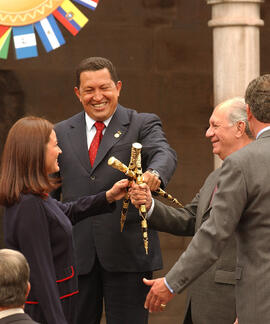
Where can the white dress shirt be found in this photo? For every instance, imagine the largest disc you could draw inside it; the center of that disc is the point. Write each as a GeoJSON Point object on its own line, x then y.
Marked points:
{"type": "Point", "coordinates": [91, 129]}
{"type": "Point", "coordinates": [11, 311]}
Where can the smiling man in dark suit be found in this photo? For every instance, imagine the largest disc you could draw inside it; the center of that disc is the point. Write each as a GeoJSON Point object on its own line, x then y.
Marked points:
{"type": "Point", "coordinates": [14, 287]}
{"type": "Point", "coordinates": [111, 263]}
{"type": "Point", "coordinates": [241, 205]}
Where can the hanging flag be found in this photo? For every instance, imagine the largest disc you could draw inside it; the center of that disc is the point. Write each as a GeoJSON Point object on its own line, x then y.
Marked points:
{"type": "Point", "coordinates": [70, 16]}
{"type": "Point", "coordinates": [5, 33]}
{"type": "Point", "coordinates": [25, 41]}
{"type": "Point", "coordinates": [38, 16]}
{"type": "Point", "coordinates": [49, 33]}
{"type": "Point", "coordinates": [92, 4]}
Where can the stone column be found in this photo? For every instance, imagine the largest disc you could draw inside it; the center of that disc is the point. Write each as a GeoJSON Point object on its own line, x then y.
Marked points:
{"type": "Point", "coordinates": [236, 47]}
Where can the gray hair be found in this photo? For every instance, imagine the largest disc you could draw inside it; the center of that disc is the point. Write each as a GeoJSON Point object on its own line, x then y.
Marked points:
{"type": "Point", "coordinates": [14, 278]}
{"type": "Point", "coordinates": [238, 113]}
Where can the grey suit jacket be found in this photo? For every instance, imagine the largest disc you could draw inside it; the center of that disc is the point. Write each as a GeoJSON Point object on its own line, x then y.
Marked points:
{"type": "Point", "coordinates": [100, 235]}
{"type": "Point", "coordinates": [211, 297]}
{"type": "Point", "coordinates": [241, 204]}
{"type": "Point", "coordinates": [17, 319]}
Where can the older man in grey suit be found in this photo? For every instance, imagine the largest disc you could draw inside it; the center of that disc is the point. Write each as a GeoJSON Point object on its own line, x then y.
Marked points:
{"type": "Point", "coordinates": [211, 298]}
{"type": "Point", "coordinates": [242, 205]}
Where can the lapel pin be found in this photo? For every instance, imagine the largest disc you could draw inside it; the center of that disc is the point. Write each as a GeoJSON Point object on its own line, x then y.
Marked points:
{"type": "Point", "coordinates": [116, 135]}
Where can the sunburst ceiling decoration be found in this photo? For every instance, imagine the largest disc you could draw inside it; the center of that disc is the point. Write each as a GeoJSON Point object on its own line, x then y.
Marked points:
{"type": "Point", "coordinates": [24, 18]}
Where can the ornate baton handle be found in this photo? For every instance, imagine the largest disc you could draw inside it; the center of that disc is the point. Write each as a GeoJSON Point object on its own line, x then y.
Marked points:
{"type": "Point", "coordinates": [116, 164]}
{"type": "Point", "coordinates": [131, 167]}
{"type": "Point", "coordinates": [131, 175]}
{"type": "Point", "coordinates": [139, 180]}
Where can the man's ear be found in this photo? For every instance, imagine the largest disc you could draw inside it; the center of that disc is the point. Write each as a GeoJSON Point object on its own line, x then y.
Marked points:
{"type": "Point", "coordinates": [118, 87]}
{"type": "Point", "coordinates": [28, 289]}
{"type": "Point", "coordinates": [77, 92]}
{"type": "Point", "coordinates": [241, 128]}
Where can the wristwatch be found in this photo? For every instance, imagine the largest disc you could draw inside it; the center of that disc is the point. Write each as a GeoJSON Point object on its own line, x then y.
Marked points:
{"type": "Point", "coordinates": [154, 172]}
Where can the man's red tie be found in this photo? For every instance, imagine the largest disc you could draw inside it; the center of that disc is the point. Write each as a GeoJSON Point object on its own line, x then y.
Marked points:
{"type": "Point", "coordinates": [96, 141]}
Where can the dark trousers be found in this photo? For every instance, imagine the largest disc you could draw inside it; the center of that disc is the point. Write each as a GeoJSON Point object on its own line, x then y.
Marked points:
{"type": "Point", "coordinates": [124, 294]}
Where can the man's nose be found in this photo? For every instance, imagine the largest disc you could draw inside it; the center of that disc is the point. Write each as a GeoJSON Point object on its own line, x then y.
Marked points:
{"type": "Point", "coordinates": [209, 132]}
{"type": "Point", "coordinates": [97, 95]}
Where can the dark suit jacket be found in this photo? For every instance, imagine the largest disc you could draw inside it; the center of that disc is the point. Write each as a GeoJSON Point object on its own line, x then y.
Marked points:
{"type": "Point", "coordinates": [101, 235]}
{"type": "Point", "coordinates": [241, 204]}
{"type": "Point", "coordinates": [212, 295]}
{"type": "Point", "coordinates": [41, 229]}
{"type": "Point", "coordinates": [17, 319]}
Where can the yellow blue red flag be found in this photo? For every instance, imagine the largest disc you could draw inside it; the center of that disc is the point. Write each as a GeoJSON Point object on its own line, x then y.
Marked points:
{"type": "Point", "coordinates": [71, 17]}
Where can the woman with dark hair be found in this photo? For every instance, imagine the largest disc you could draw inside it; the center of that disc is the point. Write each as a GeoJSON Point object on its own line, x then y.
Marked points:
{"type": "Point", "coordinates": [39, 226]}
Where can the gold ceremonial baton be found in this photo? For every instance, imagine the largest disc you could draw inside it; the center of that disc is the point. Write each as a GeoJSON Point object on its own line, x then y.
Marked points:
{"type": "Point", "coordinates": [116, 164]}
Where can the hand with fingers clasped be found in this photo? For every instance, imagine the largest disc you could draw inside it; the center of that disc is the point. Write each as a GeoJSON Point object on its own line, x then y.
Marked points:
{"type": "Point", "coordinates": [140, 195]}
{"type": "Point", "coordinates": [158, 296]}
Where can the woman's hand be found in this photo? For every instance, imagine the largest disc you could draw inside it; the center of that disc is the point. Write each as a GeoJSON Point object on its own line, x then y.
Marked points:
{"type": "Point", "coordinates": [117, 191]}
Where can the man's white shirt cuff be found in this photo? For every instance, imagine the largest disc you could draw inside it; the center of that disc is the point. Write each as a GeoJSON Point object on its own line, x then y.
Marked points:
{"type": "Point", "coordinates": [168, 286]}
{"type": "Point", "coordinates": [150, 211]}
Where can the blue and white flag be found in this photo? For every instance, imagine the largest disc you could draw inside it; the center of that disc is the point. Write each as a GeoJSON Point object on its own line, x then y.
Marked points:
{"type": "Point", "coordinates": [92, 4]}
{"type": "Point", "coordinates": [49, 33]}
{"type": "Point", "coordinates": [25, 42]}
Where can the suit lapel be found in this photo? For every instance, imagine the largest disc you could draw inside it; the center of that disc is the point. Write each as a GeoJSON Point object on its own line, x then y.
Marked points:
{"type": "Point", "coordinates": [205, 198]}
{"type": "Point", "coordinates": [78, 140]}
{"type": "Point", "coordinates": [116, 129]}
